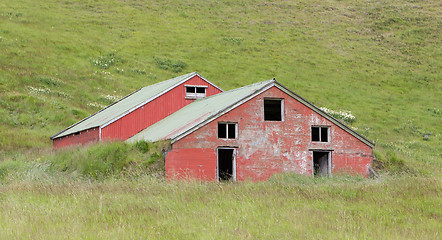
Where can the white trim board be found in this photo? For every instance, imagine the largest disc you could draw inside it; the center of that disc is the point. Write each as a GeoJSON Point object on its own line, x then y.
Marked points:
{"type": "Point", "coordinates": [155, 97]}
{"type": "Point", "coordinates": [134, 108]}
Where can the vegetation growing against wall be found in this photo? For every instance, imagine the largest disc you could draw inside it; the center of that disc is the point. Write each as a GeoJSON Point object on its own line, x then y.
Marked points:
{"type": "Point", "coordinates": [95, 162]}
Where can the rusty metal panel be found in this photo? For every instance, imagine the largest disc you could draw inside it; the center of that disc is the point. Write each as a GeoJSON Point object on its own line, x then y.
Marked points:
{"type": "Point", "coordinates": [153, 111]}
{"type": "Point", "coordinates": [268, 147]}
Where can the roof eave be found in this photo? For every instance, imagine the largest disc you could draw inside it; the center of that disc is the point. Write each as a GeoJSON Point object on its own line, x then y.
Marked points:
{"type": "Point", "coordinates": [132, 109]}
{"type": "Point", "coordinates": [326, 115]}
{"type": "Point", "coordinates": [196, 73]}
{"type": "Point", "coordinates": [289, 92]}
{"type": "Point", "coordinates": [221, 112]}
{"type": "Point", "coordinates": [157, 96]}
{"type": "Point", "coordinates": [86, 118]}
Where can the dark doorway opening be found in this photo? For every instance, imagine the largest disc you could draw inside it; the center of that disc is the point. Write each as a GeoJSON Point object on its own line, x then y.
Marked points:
{"type": "Point", "coordinates": [226, 164]}
{"type": "Point", "coordinates": [321, 163]}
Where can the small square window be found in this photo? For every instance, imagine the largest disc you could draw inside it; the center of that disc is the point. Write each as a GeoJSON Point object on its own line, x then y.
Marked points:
{"type": "Point", "coordinates": [195, 91]}
{"type": "Point", "coordinates": [273, 109]}
{"type": "Point", "coordinates": [190, 89]}
{"type": "Point", "coordinates": [227, 130]}
{"type": "Point", "coordinates": [320, 134]}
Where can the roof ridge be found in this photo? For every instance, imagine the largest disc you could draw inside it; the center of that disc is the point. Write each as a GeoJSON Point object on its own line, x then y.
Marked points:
{"type": "Point", "coordinates": [183, 77]}
{"type": "Point", "coordinates": [236, 89]}
{"type": "Point", "coordinates": [326, 115]}
{"type": "Point", "coordinates": [170, 80]}
{"type": "Point", "coordinates": [188, 123]}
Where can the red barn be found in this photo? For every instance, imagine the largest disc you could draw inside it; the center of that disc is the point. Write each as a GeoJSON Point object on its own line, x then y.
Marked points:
{"type": "Point", "coordinates": [254, 132]}
{"type": "Point", "coordinates": [137, 111]}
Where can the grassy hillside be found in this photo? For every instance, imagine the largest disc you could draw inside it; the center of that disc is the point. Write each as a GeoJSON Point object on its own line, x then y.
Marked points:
{"type": "Point", "coordinates": [62, 60]}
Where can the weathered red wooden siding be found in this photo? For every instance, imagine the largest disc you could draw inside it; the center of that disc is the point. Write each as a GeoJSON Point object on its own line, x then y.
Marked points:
{"type": "Point", "coordinates": [187, 166]}
{"type": "Point", "coordinates": [84, 137]}
{"type": "Point", "coordinates": [266, 148]}
{"type": "Point", "coordinates": [153, 111]}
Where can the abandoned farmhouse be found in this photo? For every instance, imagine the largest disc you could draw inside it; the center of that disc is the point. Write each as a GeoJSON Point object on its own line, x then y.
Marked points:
{"type": "Point", "coordinates": [252, 132]}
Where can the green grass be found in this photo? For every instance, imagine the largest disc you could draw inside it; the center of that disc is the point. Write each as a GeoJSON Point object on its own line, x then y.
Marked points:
{"type": "Point", "coordinates": [284, 208]}
{"type": "Point", "coordinates": [63, 60]}
{"type": "Point", "coordinates": [101, 161]}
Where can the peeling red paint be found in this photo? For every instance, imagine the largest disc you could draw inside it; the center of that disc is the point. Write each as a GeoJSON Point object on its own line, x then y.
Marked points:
{"type": "Point", "coordinates": [267, 147]}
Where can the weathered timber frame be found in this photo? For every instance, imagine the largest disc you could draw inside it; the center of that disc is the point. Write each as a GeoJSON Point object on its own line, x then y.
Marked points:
{"type": "Point", "coordinates": [233, 162]}
{"type": "Point", "coordinates": [282, 109]}
{"type": "Point", "coordinates": [195, 95]}
{"type": "Point", "coordinates": [227, 130]}
{"type": "Point", "coordinates": [320, 133]}
{"type": "Point", "coordinates": [329, 161]}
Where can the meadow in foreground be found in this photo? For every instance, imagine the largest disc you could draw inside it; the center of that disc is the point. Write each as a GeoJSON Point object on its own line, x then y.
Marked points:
{"type": "Point", "coordinates": [118, 191]}
{"type": "Point", "coordinates": [286, 207]}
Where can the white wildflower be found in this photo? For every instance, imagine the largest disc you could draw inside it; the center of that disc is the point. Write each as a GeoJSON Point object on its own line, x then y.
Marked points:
{"type": "Point", "coordinates": [38, 91]}
{"type": "Point", "coordinates": [96, 105]}
{"type": "Point", "coordinates": [111, 97]}
{"type": "Point", "coordinates": [47, 91]}
{"type": "Point", "coordinates": [343, 115]}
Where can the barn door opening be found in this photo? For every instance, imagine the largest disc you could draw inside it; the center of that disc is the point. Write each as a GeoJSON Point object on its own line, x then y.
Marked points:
{"type": "Point", "coordinates": [321, 163]}
{"type": "Point", "coordinates": [226, 164]}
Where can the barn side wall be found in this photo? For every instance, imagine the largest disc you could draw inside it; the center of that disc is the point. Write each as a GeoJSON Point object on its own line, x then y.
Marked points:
{"type": "Point", "coordinates": [265, 148]}
{"type": "Point", "coordinates": [185, 165]}
{"type": "Point", "coordinates": [153, 111]}
{"type": "Point", "coordinates": [83, 137]}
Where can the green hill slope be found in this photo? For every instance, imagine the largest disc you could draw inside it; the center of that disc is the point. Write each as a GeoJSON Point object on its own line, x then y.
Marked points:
{"type": "Point", "coordinates": [62, 60]}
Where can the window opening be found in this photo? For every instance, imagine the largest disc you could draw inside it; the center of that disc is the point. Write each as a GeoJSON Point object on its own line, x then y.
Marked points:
{"type": "Point", "coordinates": [320, 134]}
{"type": "Point", "coordinates": [195, 91]}
{"type": "Point", "coordinates": [227, 130]}
{"type": "Point", "coordinates": [273, 109]}
{"type": "Point", "coordinates": [226, 163]}
{"type": "Point", "coordinates": [321, 163]}
{"type": "Point", "coordinates": [201, 90]}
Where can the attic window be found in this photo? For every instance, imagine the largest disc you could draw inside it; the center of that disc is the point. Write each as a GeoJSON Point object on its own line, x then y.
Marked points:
{"type": "Point", "coordinates": [227, 130]}
{"type": "Point", "coordinates": [320, 134]}
{"type": "Point", "coordinates": [195, 91]}
{"type": "Point", "coordinates": [273, 110]}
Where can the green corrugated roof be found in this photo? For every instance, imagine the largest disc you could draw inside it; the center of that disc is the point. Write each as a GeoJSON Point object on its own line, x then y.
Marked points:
{"type": "Point", "coordinates": [124, 105]}
{"type": "Point", "coordinates": [196, 113]}
{"type": "Point", "coordinates": [200, 112]}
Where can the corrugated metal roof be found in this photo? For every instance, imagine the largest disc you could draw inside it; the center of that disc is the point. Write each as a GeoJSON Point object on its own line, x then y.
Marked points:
{"type": "Point", "coordinates": [124, 105]}
{"type": "Point", "coordinates": [197, 113]}
{"type": "Point", "coordinates": [202, 111]}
